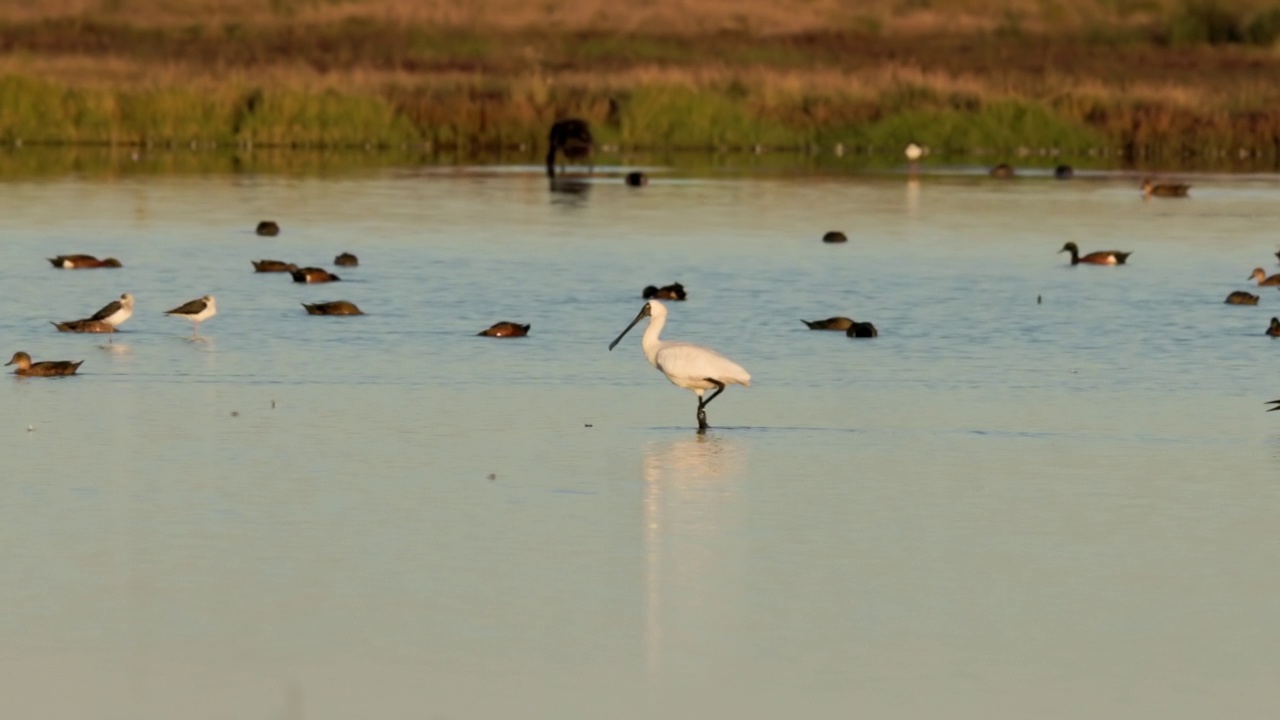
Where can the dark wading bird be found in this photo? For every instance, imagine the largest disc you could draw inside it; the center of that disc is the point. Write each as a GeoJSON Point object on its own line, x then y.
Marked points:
{"type": "Point", "coordinates": [505, 329]}
{"type": "Point", "coordinates": [105, 320]}
{"type": "Point", "coordinates": [1152, 188]}
{"type": "Point", "coordinates": [1101, 257]}
{"type": "Point", "coordinates": [83, 262]}
{"type": "Point", "coordinates": [196, 311]}
{"type": "Point", "coordinates": [1263, 281]}
{"type": "Point", "coordinates": [674, 291]}
{"type": "Point", "coordinates": [692, 367]}
{"type": "Point", "coordinates": [268, 228]}
{"type": "Point", "coordinates": [572, 139]}
{"type": "Point", "coordinates": [273, 266]}
{"type": "Point", "coordinates": [47, 368]}
{"type": "Point", "coordinates": [1240, 297]}
{"type": "Point", "coordinates": [838, 323]}
{"type": "Point", "coordinates": [346, 259]}
{"type": "Point", "coordinates": [337, 307]}
{"type": "Point", "coordinates": [313, 275]}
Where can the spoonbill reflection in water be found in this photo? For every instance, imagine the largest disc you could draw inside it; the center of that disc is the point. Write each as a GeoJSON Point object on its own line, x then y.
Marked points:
{"type": "Point", "coordinates": [692, 367]}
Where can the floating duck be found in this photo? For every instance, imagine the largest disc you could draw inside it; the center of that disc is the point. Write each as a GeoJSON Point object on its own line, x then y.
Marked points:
{"type": "Point", "coordinates": [505, 329]}
{"type": "Point", "coordinates": [832, 323]}
{"type": "Point", "coordinates": [1274, 330]}
{"type": "Point", "coordinates": [84, 326]}
{"type": "Point", "coordinates": [196, 311]}
{"type": "Point", "coordinates": [1064, 172]}
{"type": "Point", "coordinates": [636, 178]}
{"type": "Point", "coordinates": [1240, 297]}
{"type": "Point", "coordinates": [47, 368]}
{"type": "Point", "coordinates": [346, 259]}
{"type": "Point", "coordinates": [337, 307]}
{"type": "Point", "coordinates": [273, 266]}
{"type": "Point", "coordinates": [834, 236]}
{"type": "Point", "coordinates": [83, 262]}
{"type": "Point", "coordinates": [1151, 187]}
{"type": "Point", "coordinates": [1261, 276]}
{"type": "Point", "coordinates": [268, 228]}
{"type": "Point", "coordinates": [1004, 171]}
{"type": "Point", "coordinates": [1101, 257]}
{"type": "Point", "coordinates": [313, 275]}
{"type": "Point", "coordinates": [674, 291]}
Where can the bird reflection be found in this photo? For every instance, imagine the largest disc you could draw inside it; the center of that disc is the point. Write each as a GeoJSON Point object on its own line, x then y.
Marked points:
{"type": "Point", "coordinates": [690, 497]}
{"type": "Point", "coordinates": [569, 190]}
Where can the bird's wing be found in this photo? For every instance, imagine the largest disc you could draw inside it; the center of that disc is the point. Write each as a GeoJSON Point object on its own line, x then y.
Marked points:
{"type": "Point", "coordinates": [192, 308]}
{"type": "Point", "coordinates": [698, 362]}
{"type": "Point", "coordinates": [111, 309]}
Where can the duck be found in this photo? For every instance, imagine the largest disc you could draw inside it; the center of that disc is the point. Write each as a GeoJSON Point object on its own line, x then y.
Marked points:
{"type": "Point", "coordinates": [1064, 172]}
{"type": "Point", "coordinates": [84, 326]}
{"type": "Point", "coordinates": [834, 236]}
{"type": "Point", "coordinates": [105, 320]}
{"type": "Point", "coordinates": [505, 329]}
{"type": "Point", "coordinates": [313, 275]}
{"type": "Point", "coordinates": [674, 291]}
{"type": "Point", "coordinates": [83, 262]}
{"type": "Point", "coordinates": [636, 178]}
{"type": "Point", "coordinates": [336, 307]}
{"type": "Point", "coordinates": [1240, 297]}
{"type": "Point", "coordinates": [1003, 171]}
{"type": "Point", "coordinates": [1101, 257]}
{"type": "Point", "coordinates": [47, 368]}
{"type": "Point", "coordinates": [1274, 330]}
{"type": "Point", "coordinates": [862, 330]}
{"type": "Point", "coordinates": [831, 323]}
{"type": "Point", "coordinates": [273, 266]}
{"type": "Point", "coordinates": [196, 311]}
{"type": "Point", "coordinates": [1263, 281]}
{"type": "Point", "coordinates": [346, 259]}
{"type": "Point", "coordinates": [268, 228]}
{"type": "Point", "coordinates": [1151, 187]}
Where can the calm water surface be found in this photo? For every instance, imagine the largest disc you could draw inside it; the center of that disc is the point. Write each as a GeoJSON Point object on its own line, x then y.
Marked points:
{"type": "Point", "coordinates": [997, 509]}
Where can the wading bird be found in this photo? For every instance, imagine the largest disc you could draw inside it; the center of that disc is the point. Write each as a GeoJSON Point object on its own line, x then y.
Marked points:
{"type": "Point", "coordinates": [48, 368]}
{"type": "Point", "coordinates": [1101, 257]}
{"type": "Point", "coordinates": [196, 311]}
{"type": "Point", "coordinates": [686, 365]}
{"type": "Point", "coordinates": [572, 139]}
{"type": "Point", "coordinates": [105, 320]}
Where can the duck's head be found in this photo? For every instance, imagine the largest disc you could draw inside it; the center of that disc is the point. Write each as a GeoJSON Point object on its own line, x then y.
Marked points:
{"type": "Point", "coordinates": [1070, 247]}
{"type": "Point", "coordinates": [21, 359]}
{"type": "Point", "coordinates": [111, 262]}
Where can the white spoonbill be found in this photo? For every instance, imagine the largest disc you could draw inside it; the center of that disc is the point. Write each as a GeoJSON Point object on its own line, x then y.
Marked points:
{"type": "Point", "coordinates": [686, 365]}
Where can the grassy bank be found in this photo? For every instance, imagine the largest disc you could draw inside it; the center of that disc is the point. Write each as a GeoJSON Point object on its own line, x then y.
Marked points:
{"type": "Point", "coordinates": [1162, 79]}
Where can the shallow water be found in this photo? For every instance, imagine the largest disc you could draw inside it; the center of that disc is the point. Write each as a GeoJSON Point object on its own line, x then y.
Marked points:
{"type": "Point", "coordinates": [998, 508]}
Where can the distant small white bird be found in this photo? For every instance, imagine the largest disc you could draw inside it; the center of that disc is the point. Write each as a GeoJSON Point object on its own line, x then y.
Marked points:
{"type": "Point", "coordinates": [913, 152]}
{"type": "Point", "coordinates": [692, 367]}
{"type": "Point", "coordinates": [196, 311]}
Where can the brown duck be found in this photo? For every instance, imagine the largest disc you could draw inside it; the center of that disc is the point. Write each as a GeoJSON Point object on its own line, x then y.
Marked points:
{"type": "Point", "coordinates": [313, 275]}
{"type": "Point", "coordinates": [48, 368]}
{"type": "Point", "coordinates": [505, 329]}
{"type": "Point", "coordinates": [674, 291]}
{"type": "Point", "coordinates": [1261, 276]}
{"type": "Point", "coordinates": [346, 259]}
{"type": "Point", "coordinates": [268, 228]}
{"type": "Point", "coordinates": [1152, 188]}
{"type": "Point", "coordinates": [337, 307]}
{"type": "Point", "coordinates": [834, 236]}
{"type": "Point", "coordinates": [84, 326]}
{"type": "Point", "coordinates": [1274, 330]}
{"type": "Point", "coordinates": [83, 262]}
{"type": "Point", "coordinates": [1240, 297]}
{"type": "Point", "coordinates": [1101, 257]}
{"type": "Point", "coordinates": [1004, 171]}
{"type": "Point", "coordinates": [273, 266]}
{"type": "Point", "coordinates": [831, 323]}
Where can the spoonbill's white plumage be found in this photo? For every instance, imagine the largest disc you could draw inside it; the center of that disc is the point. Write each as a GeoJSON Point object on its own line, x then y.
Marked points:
{"type": "Point", "coordinates": [692, 367]}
